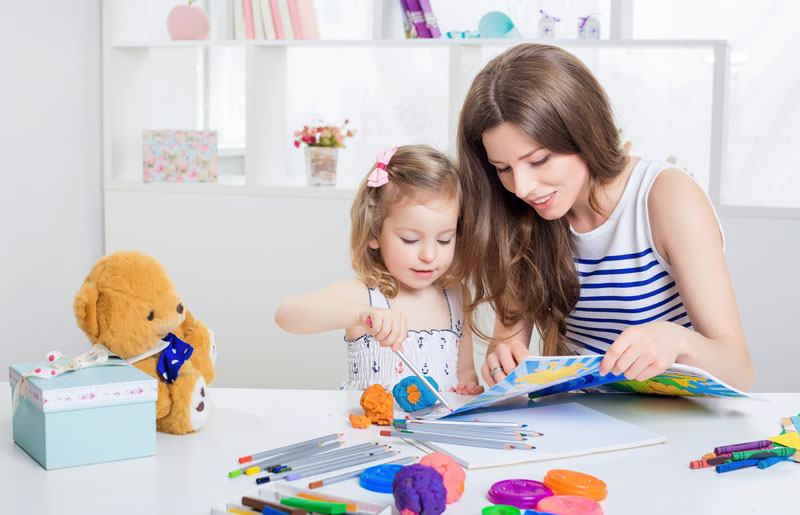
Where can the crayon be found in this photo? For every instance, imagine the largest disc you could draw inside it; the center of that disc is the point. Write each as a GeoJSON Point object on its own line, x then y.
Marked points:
{"type": "Point", "coordinates": [763, 464]}
{"type": "Point", "coordinates": [708, 462]}
{"type": "Point", "coordinates": [320, 440]}
{"type": "Point", "coordinates": [748, 446]}
{"type": "Point", "coordinates": [315, 506]}
{"type": "Point", "coordinates": [735, 465]}
{"type": "Point", "coordinates": [349, 507]}
{"type": "Point", "coordinates": [260, 504]}
{"type": "Point", "coordinates": [777, 452]}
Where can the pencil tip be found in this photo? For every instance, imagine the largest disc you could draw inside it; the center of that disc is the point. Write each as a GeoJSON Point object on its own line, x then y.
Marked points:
{"type": "Point", "coordinates": [315, 484]}
{"type": "Point", "coordinates": [245, 459]}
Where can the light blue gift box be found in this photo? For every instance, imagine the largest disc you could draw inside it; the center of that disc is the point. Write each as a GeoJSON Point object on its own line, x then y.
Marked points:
{"type": "Point", "coordinates": [90, 415]}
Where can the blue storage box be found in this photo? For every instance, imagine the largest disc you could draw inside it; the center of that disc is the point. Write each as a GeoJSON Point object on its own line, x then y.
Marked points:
{"type": "Point", "coordinates": [90, 415]}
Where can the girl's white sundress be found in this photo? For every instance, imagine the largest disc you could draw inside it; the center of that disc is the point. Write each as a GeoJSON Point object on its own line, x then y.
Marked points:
{"type": "Point", "coordinates": [434, 352]}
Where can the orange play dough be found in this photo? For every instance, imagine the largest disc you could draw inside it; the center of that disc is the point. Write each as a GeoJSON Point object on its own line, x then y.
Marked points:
{"type": "Point", "coordinates": [452, 474]}
{"type": "Point", "coordinates": [360, 422]}
{"type": "Point", "coordinates": [378, 405]}
{"type": "Point", "coordinates": [413, 394]}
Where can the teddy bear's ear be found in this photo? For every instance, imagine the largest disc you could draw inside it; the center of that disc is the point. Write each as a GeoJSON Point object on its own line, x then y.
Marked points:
{"type": "Point", "coordinates": [85, 307]}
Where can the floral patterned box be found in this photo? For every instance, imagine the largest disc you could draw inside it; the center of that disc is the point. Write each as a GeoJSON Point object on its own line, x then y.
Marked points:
{"type": "Point", "coordinates": [179, 156]}
{"type": "Point", "coordinates": [90, 415]}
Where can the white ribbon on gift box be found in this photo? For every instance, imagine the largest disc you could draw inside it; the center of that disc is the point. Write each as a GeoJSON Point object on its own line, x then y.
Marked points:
{"type": "Point", "coordinates": [97, 356]}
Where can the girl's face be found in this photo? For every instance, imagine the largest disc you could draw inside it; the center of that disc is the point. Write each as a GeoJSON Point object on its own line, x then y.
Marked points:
{"type": "Point", "coordinates": [550, 183]}
{"type": "Point", "coordinates": [417, 241]}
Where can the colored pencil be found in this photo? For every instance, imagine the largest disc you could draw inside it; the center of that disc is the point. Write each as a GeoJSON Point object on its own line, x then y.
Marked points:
{"type": "Point", "coordinates": [279, 450]}
{"type": "Point", "coordinates": [323, 460]}
{"type": "Point", "coordinates": [309, 450]}
{"type": "Point", "coordinates": [364, 447]}
{"type": "Point", "coordinates": [356, 473]}
{"type": "Point", "coordinates": [455, 440]}
{"type": "Point", "coordinates": [311, 469]}
{"type": "Point", "coordinates": [495, 435]}
{"type": "Point", "coordinates": [421, 377]}
{"type": "Point", "coordinates": [477, 438]}
{"type": "Point", "coordinates": [470, 422]}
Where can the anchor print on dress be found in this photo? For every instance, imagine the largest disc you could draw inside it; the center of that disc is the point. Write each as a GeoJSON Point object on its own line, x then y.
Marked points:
{"type": "Point", "coordinates": [425, 368]}
{"type": "Point", "coordinates": [399, 367]}
{"type": "Point", "coordinates": [355, 368]}
{"type": "Point", "coordinates": [420, 341]}
{"type": "Point", "coordinates": [375, 367]}
{"type": "Point", "coordinates": [446, 369]}
{"type": "Point", "coordinates": [444, 341]}
{"type": "Point", "coordinates": [459, 325]}
{"type": "Point", "coordinates": [366, 340]}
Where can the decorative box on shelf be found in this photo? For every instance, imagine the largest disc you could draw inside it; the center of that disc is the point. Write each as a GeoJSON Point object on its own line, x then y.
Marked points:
{"type": "Point", "coordinates": [89, 415]}
{"type": "Point", "coordinates": [179, 156]}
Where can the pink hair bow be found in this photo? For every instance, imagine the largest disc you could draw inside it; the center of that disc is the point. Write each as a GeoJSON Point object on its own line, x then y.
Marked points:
{"type": "Point", "coordinates": [379, 176]}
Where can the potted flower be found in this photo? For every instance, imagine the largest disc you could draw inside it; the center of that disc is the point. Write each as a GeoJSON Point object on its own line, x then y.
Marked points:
{"type": "Point", "coordinates": [322, 151]}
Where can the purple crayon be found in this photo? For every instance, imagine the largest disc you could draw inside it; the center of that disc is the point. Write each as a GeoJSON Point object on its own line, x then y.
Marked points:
{"type": "Point", "coordinates": [749, 446]}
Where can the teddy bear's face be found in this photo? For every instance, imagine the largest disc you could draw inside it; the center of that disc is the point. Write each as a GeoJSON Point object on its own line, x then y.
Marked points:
{"type": "Point", "coordinates": [128, 304]}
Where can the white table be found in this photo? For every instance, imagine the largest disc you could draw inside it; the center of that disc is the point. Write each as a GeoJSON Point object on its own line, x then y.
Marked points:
{"type": "Point", "coordinates": [189, 473]}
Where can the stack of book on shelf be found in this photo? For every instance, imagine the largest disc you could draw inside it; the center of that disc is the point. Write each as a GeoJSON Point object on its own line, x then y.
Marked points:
{"type": "Point", "coordinates": [419, 20]}
{"type": "Point", "coordinates": [267, 19]}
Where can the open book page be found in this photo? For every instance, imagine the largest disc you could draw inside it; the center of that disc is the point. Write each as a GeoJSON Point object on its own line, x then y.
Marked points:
{"type": "Point", "coordinates": [538, 376]}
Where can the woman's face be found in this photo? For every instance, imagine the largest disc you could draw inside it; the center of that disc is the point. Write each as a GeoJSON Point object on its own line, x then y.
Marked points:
{"type": "Point", "coordinates": [550, 183]}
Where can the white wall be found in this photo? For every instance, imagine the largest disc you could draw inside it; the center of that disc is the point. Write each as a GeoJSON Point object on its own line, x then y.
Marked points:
{"type": "Point", "coordinates": [50, 201]}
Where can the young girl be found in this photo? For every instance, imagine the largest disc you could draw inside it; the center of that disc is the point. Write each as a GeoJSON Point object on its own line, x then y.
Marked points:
{"type": "Point", "coordinates": [602, 252]}
{"type": "Point", "coordinates": [405, 221]}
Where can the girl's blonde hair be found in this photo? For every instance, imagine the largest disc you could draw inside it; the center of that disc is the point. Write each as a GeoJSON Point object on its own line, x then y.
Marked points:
{"type": "Point", "coordinates": [419, 174]}
{"type": "Point", "coordinates": [519, 262]}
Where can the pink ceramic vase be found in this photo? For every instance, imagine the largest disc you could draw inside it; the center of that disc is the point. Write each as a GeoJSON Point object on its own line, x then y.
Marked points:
{"type": "Point", "coordinates": [188, 22]}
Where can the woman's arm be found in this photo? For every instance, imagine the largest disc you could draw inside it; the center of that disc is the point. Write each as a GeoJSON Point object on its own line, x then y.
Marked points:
{"type": "Point", "coordinates": [342, 306]}
{"type": "Point", "coordinates": [465, 367]}
{"type": "Point", "coordinates": [686, 233]}
{"type": "Point", "coordinates": [507, 349]}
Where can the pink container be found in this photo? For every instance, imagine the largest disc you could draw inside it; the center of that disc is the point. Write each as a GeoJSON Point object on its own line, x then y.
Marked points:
{"type": "Point", "coordinates": [188, 22]}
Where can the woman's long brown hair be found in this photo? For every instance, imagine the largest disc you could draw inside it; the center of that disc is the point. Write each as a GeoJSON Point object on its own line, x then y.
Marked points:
{"type": "Point", "coordinates": [520, 263]}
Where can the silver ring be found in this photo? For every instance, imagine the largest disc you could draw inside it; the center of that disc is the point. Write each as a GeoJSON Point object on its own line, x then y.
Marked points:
{"type": "Point", "coordinates": [495, 370]}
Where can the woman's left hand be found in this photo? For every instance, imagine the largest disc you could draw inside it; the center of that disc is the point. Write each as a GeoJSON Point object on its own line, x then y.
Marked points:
{"type": "Point", "coordinates": [644, 351]}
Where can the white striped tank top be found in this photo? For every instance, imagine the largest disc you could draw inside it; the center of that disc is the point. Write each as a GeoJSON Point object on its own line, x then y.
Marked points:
{"type": "Point", "coordinates": [624, 280]}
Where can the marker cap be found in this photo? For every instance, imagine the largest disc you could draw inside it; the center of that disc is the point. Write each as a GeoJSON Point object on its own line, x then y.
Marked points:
{"type": "Point", "coordinates": [569, 482]}
{"type": "Point", "coordinates": [379, 478]}
{"type": "Point", "coordinates": [522, 493]}
{"type": "Point", "coordinates": [569, 505]}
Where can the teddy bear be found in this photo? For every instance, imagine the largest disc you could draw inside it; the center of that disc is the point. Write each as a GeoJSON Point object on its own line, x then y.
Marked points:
{"type": "Point", "coordinates": [129, 305]}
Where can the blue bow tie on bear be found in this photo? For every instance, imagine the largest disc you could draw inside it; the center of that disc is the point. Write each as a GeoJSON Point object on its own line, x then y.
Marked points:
{"type": "Point", "coordinates": [173, 357]}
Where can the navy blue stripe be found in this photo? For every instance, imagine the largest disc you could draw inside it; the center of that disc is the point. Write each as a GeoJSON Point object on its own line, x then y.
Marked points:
{"type": "Point", "coordinates": [614, 331]}
{"type": "Point", "coordinates": [620, 257]}
{"type": "Point", "coordinates": [688, 325]}
{"type": "Point", "coordinates": [599, 339]}
{"type": "Point", "coordinates": [631, 310]}
{"type": "Point", "coordinates": [632, 297]}
{"type": "Point", "coordinates": [613, 271]}
{"type": "Point", "coordinates": [628, 322]}
{"type": "Point", "coordinates": [586, 345]}
{"type": "Point", "coordinates": [633, 284]}
{"type": "Point", "coordinates": [677, 317]}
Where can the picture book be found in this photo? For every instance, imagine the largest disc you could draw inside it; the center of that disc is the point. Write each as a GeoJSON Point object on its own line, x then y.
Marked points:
{"type": "Point", "coordinates": [565, 432]}
{"type": "Point", "coordinates": [539, 376]}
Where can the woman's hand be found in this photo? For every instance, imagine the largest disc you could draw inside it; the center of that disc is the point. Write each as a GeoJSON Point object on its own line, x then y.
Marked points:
{"type": "Point", "coordinates": [644, 351]}
{"type": "Point", "coordinates": [388, 326]}
{"type": "Point", "coordinates": [503, 360]}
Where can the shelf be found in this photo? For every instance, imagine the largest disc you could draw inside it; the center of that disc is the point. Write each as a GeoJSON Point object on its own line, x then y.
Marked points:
{"type": "Point", "coordinates": [234, 185]}
{"type": "Point", "coordinates": [599, 43]}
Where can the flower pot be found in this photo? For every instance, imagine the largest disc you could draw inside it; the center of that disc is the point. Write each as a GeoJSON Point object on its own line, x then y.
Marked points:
{"type": "Point", "coordinates": [321, 165]}
{"type": "Point", "coordinates": [188, 22]}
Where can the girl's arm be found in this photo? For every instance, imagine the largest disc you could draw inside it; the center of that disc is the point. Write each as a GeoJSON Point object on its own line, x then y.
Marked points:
{"type": "Point", "coordinates": [465, 367]}
{"type": "Point", "coordinates": [342, 306]}
{"type": "Point", "coordinates": [508, 348]}
{"type": "Point", "coordinates": [686, 233]}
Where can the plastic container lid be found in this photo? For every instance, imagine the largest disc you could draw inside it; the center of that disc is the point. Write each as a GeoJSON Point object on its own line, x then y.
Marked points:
{"type": "Point", "coordinates": [569, 482]}
{"type": "Point", "coordinates": [379, 478]}
{"type": "Point", "coordinates": [500, 509]}
{"type": "Point", "coordinates": [570, 505]}
{"type": "Point", "coordinates": [522, 493]}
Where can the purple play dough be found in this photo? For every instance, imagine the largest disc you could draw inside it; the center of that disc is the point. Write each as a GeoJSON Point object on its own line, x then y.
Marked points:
{"type": "Point", "coordinates": [420, 489]}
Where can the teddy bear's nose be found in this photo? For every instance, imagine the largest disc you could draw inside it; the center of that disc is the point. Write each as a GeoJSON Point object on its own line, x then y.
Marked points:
{"type": "Point", "coordinates": [179, 309]}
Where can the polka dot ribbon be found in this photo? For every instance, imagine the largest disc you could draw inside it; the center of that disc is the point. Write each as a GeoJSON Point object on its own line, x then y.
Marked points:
{"type": "Point", "coordinates": [59, 363]}
{"type": "Point", "coordinates": [173, 357]}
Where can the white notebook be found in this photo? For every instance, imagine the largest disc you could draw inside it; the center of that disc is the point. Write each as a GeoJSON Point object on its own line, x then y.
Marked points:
{"type": "Point", "coordinates": [569, 429]}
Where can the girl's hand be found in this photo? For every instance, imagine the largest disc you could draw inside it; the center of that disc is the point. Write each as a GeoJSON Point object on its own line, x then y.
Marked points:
{"type": "Point", "coordinates": [644, 351]}
{"type": "Point", "coordinates": [469, 387]}
{"type": "Point", "coordinates": [388, 326]}
{"type": "Point", "coordinates": [506, 355]}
